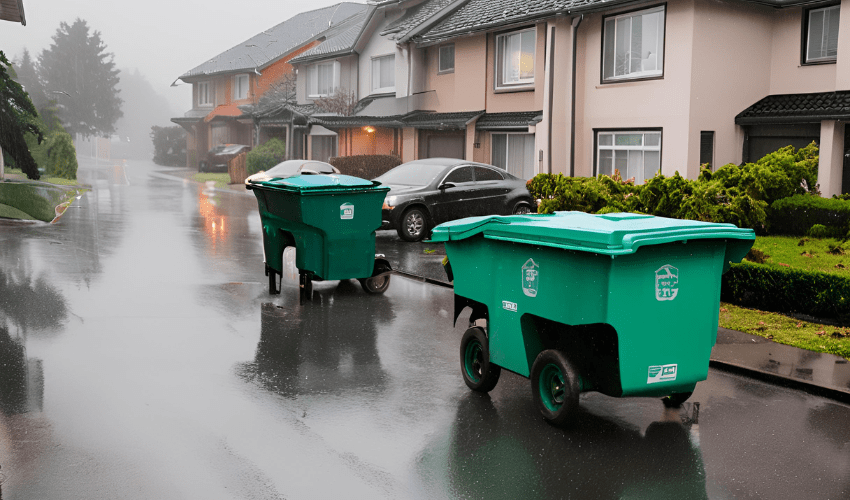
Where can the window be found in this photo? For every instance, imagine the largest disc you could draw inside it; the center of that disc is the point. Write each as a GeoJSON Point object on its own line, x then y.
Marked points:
{"type": "Point", "coordinates": [205, 96]}
{"type": "Point", "coordinates": [323, 79]}
{"type": "Point", "coordinates": [240, 87]}
{"type": "Point", "coordinates": [635, 154]}
{"type": "Point", "coordinates": [821, 34]}
{"type": "Point", "coordinates": [459, 175]}
{"type": "Point", "coordinates": [383, 74]}
{"type": "Point", "coordinates": [514, 153]}
{"type": "Point", "coordinates": [706, 148]}
{"type": "Point", "coordinates": [447, 59]}
{"type": "Point", "coordinates": [487, 174]}
{"type": "Point", "coordinates": [633, 45]}
{"type": "Point", "coordinates": [515, 59]}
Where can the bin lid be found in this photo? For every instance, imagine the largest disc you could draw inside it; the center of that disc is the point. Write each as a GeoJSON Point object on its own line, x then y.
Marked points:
{"type": "Point", "coordinates": [319, 183]}
{"type": "Point", "coordinates": [609, 234]}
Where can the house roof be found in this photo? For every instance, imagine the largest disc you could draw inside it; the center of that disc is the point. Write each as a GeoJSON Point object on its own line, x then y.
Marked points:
{"type": "Point", "coordinates": [276, 42]}
{"type": "Point", "coordinates": [413, 17]}
{"type": "Point", "coordinates": [342, 42]}
{"type": "Point", "coordinates": [797, 108]}
{"type": "Point", "coordinates": [511, 120]}
{"type": "Point", "coordinates": [13, 10]}
{"type": "Point", "coordinates": [223, 111]}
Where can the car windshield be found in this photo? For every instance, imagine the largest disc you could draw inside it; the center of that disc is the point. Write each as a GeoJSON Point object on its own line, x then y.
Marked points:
{"type": "Point", "coordinates": [412, 174]}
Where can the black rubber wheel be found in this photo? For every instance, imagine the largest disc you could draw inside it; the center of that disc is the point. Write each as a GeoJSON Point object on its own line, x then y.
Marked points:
{"type": "Point", "coordinates": [521, 208]}
{"type": "Point", "coordinates": [377, 284]}
{"type": "Point", "coordinates": [676, 399]}
{"type": "Point", "coordinates": [413, 225]}
{"type": "Point", "coordinates": [478, 373]}
{"type": "Point", "coordinates": [555, 386]}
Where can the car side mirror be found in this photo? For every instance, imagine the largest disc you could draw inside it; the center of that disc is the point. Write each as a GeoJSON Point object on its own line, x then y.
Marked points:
{"type": "Point", "coordinates": [446, 185]}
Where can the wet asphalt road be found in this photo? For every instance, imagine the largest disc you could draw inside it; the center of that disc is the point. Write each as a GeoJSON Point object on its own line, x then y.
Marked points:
{"type": "Point", "coordinates": [141, 357]}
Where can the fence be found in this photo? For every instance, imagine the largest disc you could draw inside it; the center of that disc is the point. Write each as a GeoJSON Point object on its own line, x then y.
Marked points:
{"type": "Point", "coordinates": [236, 169]}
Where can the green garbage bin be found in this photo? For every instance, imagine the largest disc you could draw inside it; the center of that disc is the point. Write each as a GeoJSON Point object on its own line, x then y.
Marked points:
{"type": "Point", "coordinates": [330, 220]}
{"type": "Point", "coordinates": [623, 304]}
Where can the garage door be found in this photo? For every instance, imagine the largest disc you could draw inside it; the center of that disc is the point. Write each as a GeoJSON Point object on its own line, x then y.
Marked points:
{"type": "Point", "coordinates": [765, 139]}
{"type": "Point", "coordinates": [443, 145]}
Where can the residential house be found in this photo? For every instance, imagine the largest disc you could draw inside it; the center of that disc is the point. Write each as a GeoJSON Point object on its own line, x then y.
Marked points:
{"type": "Point", "coordinates": [233, 82]}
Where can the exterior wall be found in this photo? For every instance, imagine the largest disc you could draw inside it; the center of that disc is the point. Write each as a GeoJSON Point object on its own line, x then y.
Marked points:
{"type": "Point", "coordinates": [557, 88]}
{"type": "Point", "coordinates": [726, 80]}
{"type": "Point", "coordinates": [501, 101]}
{"type": "Point", "coordinates": [358, 141]}
{"type": "Point", "coordinates": [787, 75]}
{"type": "Point", "coordinates": [842, 67]}
{"type": "Point", "coordinates": [376, 46]}
{"type": "Point", "coordinates": [465, 88]}
{"type": "Point", "coordinates": [638, 105]}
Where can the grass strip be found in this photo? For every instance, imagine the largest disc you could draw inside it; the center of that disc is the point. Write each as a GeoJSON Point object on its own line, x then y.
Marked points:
{"type": "Point", "coordinates": [787, 330]}
{"type": "Point", "coordinates": [221, 179]}
{"type": "Point", "coordinates": [13, 213]}
{"type": "Point", "coordinates": [826, 255]}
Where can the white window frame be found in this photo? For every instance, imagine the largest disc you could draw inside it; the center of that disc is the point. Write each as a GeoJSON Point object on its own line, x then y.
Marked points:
{"type": "Point", "coordinates": [240, 86]}
{"type": "Point", "coordinates": [658, 55]}
{"type": "Point", "coordinates": [834, 10]}
{"type": "Point", "coordinates": [614, 147]}
{"type": "Point", "coordinates": [206, 96]}
{"type": "Point", "coordinates": [440, 69]}
{"type": "Point", "coordinates": [313, 80]}
{"type": "Point", "coordinates": [508, 151]}
{"type": "Point", "coordinates": [379, 59]}
{"type": "Point", "coordinates": [502, 81]}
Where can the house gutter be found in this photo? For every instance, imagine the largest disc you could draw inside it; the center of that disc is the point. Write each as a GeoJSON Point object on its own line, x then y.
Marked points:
{"type": "Point", "coordinates": [576, 22]}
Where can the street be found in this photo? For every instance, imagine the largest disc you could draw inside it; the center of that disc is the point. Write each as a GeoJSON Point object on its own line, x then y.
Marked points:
{"type": "Point", "coordinates": [141, 357]}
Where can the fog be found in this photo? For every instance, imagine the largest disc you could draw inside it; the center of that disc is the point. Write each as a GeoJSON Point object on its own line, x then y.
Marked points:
{"type": "Point", "coordinates": [153, 43]}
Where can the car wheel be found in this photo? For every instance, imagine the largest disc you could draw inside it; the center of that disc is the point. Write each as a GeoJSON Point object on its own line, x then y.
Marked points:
{"type": "Point", "coordinates": [521, 208]}
{"type": "Point", "coordinates": [413, 225]}
{"type": "Point", "coordinates": [554, 386]}
{"type": "Point", "coordinates": [478, 373]}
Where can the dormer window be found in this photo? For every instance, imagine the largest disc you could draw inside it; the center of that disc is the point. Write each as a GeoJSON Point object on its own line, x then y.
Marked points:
{"type": "Point", "coordinates": [205, 94]}
{"type": "Point", "coordinates": [240, 87]}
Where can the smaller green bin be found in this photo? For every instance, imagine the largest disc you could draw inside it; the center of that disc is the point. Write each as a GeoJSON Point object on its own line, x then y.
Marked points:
{"type": "Point", "coordinates": [628, 302]}
{"type": "Point", "coordinates": [330, 219]}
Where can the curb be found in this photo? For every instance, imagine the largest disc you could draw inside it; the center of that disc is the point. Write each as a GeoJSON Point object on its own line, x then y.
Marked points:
{"type": "Point", "coordinates": [773, 378]}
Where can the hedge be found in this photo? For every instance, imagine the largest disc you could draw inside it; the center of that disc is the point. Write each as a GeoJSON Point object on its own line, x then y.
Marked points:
{"type": "Point", "coordinates": [797, 214]}
{"type": "Point", "coordinates": [365, 166]}
{"type": "Point", "coordinates": [787, 290]}
{"type": "Point", "coordinates": [265, 156]}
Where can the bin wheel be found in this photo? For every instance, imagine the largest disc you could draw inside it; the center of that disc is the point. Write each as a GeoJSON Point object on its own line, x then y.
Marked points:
{"type": "Point", "coordinates": [413, 225]}
{"type": "Point", "coordinates": [273, 288]}
{"type": "Point", "coordinates": [676, 399]}
{"type": "Point", "coordinates": [377, 284]}
{"type": "Point", "coordinates": [555, 386]}
{"type": "Point", "coordinates": [305, 287]}
{"type": "Point", "coordinates": [478, 373]}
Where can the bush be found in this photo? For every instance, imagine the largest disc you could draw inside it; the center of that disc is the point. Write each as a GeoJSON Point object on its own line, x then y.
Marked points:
{"type": "Point", "coordinates": [265, 156]}
{"type": "Point", "coordinates": [169, 145]}
{"type": "Point", "coordinates": [785, 290]}
{"type": "Point", "coordinates": [797, 214]}
{"type": "Point", "coordinates": [61, 155]}
{"type": "Point", "coordinates": [365, 166]}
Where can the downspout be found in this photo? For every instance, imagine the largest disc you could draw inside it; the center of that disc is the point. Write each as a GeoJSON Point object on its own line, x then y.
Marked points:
{"type": "Point", "coordinates": [576, 22]}
{"type": "Point", "coordinates": [551, 95]}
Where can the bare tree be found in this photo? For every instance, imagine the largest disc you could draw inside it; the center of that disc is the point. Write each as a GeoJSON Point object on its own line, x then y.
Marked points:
{"type": "Point", "coordinates": [341, 102]}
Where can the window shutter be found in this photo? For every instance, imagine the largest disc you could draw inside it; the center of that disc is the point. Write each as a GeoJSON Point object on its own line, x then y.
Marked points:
{"type": "Point", "coordinates": [706, 148]}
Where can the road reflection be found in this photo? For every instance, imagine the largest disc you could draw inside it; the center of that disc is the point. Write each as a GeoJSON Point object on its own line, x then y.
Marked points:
{"type": "Point", "coordinates": [328, 346]}
{"type": "Point", "coordinates": [486, 455]}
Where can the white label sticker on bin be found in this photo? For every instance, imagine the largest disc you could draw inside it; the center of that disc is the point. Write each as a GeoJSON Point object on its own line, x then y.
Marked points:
{"type": "Point", "coordinates": [661, 373]}
{"type": "Point", "coordinates": [530, 278]}
{"type": "Point", "coordinates": [509, 306]}
{"type": "Point", "coordinates": [346, 211]}
{"type": "Point", "coordinates": [666, 283]}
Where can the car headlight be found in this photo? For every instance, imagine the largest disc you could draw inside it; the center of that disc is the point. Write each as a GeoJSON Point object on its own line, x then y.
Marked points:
{"type": "Point", "coordinates": [389, 201]}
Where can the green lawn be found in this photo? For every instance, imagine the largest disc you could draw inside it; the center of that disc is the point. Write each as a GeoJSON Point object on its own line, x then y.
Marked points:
{"type": "Point", "coordinates": [52, 180]}
{"type": "Point", "coordinates": [221, 179]}
{"type": "Point", "coordinates": [810, 254]}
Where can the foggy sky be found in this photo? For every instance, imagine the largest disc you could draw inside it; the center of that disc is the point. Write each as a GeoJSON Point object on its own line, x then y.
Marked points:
{"type": "Point", "coordinates": [161, 38]}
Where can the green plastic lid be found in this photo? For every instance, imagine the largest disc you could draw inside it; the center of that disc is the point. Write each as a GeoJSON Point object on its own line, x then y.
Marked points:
{"type": "Point", "coordinates": [609, 234]}
{"type": "Point", "coordinates": [319, 182]}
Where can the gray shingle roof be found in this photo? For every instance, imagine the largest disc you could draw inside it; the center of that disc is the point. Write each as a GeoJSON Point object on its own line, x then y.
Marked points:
{"type": "Point", "coordinates": [342, 42]}
{"type": "Point", "coordinates": [413, 17]}
{"type": "Point", "coordinates": [797, 108]}
{"type": "Point", "coordinates": [419, 119]}
{"type": "Point", "coordinates": [506, 121]}
{"type": "Point", "coordinates": [274, 43]}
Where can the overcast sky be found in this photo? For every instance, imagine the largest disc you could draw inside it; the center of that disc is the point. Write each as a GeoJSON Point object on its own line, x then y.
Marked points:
{"type": "Point", "coordinates": [161, 38]}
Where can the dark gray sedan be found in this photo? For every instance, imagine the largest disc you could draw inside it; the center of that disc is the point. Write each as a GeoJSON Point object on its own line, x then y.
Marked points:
{"type": "Point", "coordinates": [424, 193]}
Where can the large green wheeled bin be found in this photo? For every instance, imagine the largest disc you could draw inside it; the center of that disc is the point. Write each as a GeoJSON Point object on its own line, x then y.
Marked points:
{"type": "Point", "coordinates": [623, 304]}
{"type": "Point", "coordinates": [331, 221]}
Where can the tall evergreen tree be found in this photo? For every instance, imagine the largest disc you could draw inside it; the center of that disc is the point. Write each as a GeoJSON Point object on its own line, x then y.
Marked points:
{"type": "Point", "coordinates": [17, 116]}
{"type": "Point", "coordinates": [81, 75]}
{"type": "Point", "coordinates": [27, 73]}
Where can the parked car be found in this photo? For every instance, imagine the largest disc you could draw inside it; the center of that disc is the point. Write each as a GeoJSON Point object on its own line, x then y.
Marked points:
{"type": "Point", "coordinates": [290, 168]}
{"type": "Point", "coordinates": [424, 193]}
{"type": "Point", "coordinates": [218, 157]}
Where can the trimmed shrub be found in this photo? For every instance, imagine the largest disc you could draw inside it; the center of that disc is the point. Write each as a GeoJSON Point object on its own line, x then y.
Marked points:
{"type": "Point", "coordinates": [786, 290]}
{"type": "Point", "coordinates": [169, 145]}
{"type": "Point", "coordinates": [797, 214]}
{"type": "Point", "coordinates": [365, 166]}
{"type": "Point", "coordinates": [61, 156]}
{"type": "Point", "coordinates": [265, 156]}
